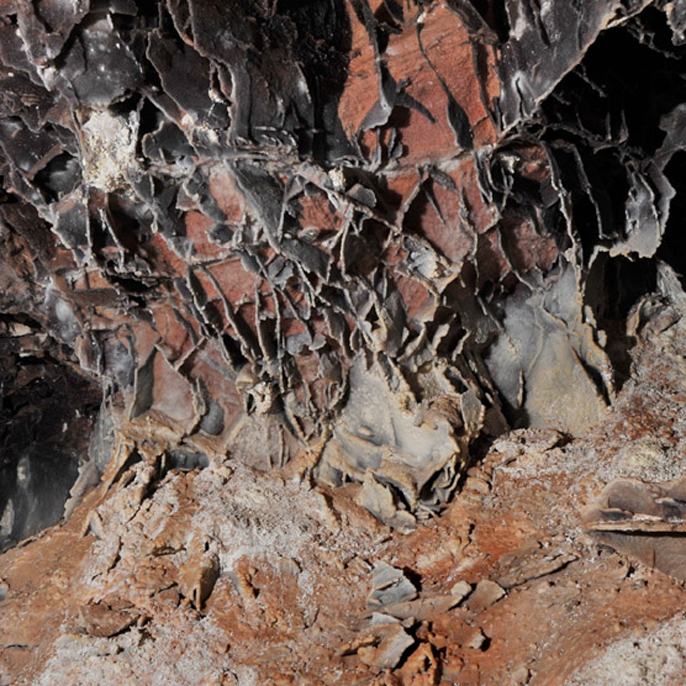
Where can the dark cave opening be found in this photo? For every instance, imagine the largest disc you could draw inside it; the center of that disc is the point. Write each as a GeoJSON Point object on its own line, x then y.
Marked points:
{"type": "Point", "coordinates": [43, 401]}
{"type": "Point", "coordinates": [672, 250]}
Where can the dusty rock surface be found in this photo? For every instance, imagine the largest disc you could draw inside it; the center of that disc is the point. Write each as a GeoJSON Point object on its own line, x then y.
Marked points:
{"type": "Point", "coordinates": [226, 575]}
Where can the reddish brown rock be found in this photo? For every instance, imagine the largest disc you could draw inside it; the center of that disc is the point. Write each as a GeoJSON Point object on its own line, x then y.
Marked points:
{"type": "Point", "coordinates": [277, 282]}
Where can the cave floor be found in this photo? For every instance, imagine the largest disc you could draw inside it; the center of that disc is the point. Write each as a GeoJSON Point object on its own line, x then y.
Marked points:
{"type": "Point", "coordinates": [227, 575]}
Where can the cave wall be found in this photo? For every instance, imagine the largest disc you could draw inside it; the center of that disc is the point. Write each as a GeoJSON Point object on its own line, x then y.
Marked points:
{"type": "Point", "coordinates": [263, 217]}
{"type": "Point", "coordinates": [360, 240]}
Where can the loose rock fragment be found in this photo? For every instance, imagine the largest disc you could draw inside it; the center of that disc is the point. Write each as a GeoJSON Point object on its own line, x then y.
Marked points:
{"type": "Point", "coordinates": [478, 640]}
{"type": "Point", "coordinates": [198, 577]}
{"type": "Point", "coordinates": [484, 595]}
{"type": "Point", "coordinates": [643, 520]}
{"type": "Point", "coordinates": [393, 642]}
{"type": "Point", "coordinates": [460, 591]}
{"type": "Point", "coordinates": [390, 585]}
{"type": "Point", "coordinates": [101, 620]}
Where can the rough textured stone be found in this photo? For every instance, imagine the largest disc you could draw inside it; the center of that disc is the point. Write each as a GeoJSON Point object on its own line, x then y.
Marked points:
{"type": "Point", "coordinates": [322, 322]}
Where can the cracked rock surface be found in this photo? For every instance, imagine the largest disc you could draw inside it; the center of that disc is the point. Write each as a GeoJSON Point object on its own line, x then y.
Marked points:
{"type": "Point", "coordinates": [224, 574]}
{"type": "Point", "coordinates": [341, 341]}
